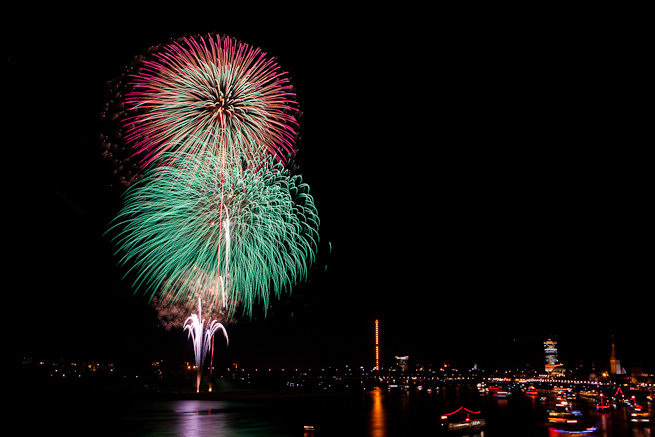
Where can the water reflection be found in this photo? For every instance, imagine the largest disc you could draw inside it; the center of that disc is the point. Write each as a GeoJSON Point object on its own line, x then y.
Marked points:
{"type": "Point", "coordinates": [201, 418]}
{"type": "Point", "coordinates": [379, 412]}
{"type": "Point", "coordinates": [605, 424]}
{"type": "Point", "coordinates": [378, 418]}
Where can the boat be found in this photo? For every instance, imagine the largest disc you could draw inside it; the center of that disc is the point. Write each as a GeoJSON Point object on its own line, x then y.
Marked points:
{"type": "Point", "coordinates": [531, 391]}
{"type": "Point", "coordinates": [639, 418]}
{"type": "Point", "coordinates": [566, 418]}
{"type": "Point", "coordinates": [463, 420]}
{"type": "Point", "coordinates": [565, 395]}
{"type": "Point", "coordinates": [602, 403]}
{"type": "Point", "coordinates": [638, 414]}
{"type": "Point", "coordinates": [578, 432]}
{"type": "Point", "coordinates": [563, 414]}
{"type": "Point", "coordinates": [632, 403]}
{"type": "Point", "coordinates": [619, 398]}
{"type": "Point", "coordinates": [589, 394]}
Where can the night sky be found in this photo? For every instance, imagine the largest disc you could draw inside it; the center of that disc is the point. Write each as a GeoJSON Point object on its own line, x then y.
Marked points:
{"type": "Point", "coordinates": [480, 182]}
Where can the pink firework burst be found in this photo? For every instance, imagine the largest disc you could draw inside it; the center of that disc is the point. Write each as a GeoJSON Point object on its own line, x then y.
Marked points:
{"type": "Point", "coordinates": [210, 96]}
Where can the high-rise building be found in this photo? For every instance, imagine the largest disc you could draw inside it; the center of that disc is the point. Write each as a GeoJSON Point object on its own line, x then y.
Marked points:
{"type": "Point", "coordinates": [550, 350]}
{"type": "Point", "coordinates": [401, 362]}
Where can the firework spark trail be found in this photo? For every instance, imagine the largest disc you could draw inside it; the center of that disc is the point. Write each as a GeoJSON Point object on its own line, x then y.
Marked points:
{"type": "Point", "coordinates": [207, 96]}
{"type": "Point", "coordinates": [226, 225]}
{"type": "Point", "coordinates": [171, 230]}
{"type": "Point", "coordinates": [202, 336]}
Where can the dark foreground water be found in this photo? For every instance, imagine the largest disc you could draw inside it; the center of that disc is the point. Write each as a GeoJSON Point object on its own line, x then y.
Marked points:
{"type": "Point", "coordinates": [373, 413]}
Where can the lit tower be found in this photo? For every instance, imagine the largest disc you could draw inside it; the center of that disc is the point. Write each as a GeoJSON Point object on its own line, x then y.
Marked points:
{"type": "Point", "coordinates": [550, 350]}
{"type": "Point", "coordinates": [377, 345]}
{"type": "Point", "coordinates": [615, 363]}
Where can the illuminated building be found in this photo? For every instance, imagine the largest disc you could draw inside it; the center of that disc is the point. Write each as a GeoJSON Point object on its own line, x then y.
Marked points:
{"type": "Point", "coordinates": [401, 362]}
{"type": "Point", "coordinates": [615, 363]}
{"type": "Point", "coordinates": [377, 345]}
{"type": "Point", "coordinates": [550, 350]}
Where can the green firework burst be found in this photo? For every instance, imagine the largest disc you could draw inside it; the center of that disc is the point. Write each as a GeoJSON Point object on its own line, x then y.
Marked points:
{"type": "Point", "coordinates": [229, 234]}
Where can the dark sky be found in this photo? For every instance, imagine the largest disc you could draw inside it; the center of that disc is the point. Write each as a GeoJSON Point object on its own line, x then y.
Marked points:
{"type": "Point", "coordinates": [480, 180]}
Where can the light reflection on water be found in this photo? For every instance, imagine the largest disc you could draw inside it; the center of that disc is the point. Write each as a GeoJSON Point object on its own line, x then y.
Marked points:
{"type": "Point", "coordinates": [374, 413]}
{"type": "Point", "coordinates": [199, 418]}
{"type": "Point", "coordinates": [377, 425]}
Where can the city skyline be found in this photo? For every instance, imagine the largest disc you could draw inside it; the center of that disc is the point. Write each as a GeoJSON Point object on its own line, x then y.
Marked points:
{"type": "Point", "coordinates": [524, 353]}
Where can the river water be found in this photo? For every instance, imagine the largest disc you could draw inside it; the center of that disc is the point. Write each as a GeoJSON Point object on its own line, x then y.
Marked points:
{"type": "Point", "coordinates": [375, 413]}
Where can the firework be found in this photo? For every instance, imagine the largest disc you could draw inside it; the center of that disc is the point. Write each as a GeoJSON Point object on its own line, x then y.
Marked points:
{"type": "Point", "coordinates": [125, 169]}
{"type": "Point", "coordinates": [212, 96]}
{"type": "Point", "coordinates": [171, 312]}
{"type": "Point", "coordinates": [231, 235]}
{"type": "Point", "coordinates": [201, 335]}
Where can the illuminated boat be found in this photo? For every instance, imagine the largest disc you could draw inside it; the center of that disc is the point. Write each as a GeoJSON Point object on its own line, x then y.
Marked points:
{"type": "Point", "coordinates": [632, 403]}
{"type": "Point", "coordinates": [638, 414]}
{"type": "Point", "coordinates": [565, 395]}
{"type": "Point", "coordinates": [565, 418]}
{"type": "Point", "coordinates": [589, 394]}
{"type": "Point", "coordinates": [563, 414]}
{"type": "Point", "coordinates": [531, 391]}
{"type": "Point", "coordinates": [577, 432]}
{"type": "Point", "coordinates": [619, 398]}
{"type": "Point", "coordinates": [602, 403]}
{"type": "Point", "coordinates": [640, 418]}
{"type": "Point", "coordinates": [461, 420]}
